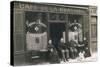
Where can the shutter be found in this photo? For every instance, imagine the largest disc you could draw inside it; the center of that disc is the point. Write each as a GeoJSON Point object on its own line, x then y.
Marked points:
{"type": "Point", "coordinates": [19, 38]}
{"type": "Point", "coordinates": [93, 32]}
{"type": "Point", "coordinates": [19, 42]}
{"type": "Point", "coordinates": [86, 26]}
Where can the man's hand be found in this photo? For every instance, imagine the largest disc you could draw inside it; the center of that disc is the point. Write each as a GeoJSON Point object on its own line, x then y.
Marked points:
{"type": "Point", "coordinates": [80, 45]}
{"type": "Point", "coordinates": [51, 50]}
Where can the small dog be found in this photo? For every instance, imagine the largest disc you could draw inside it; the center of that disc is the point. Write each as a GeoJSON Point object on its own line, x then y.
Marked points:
{"type": "Point", "coordinates": [81, 56]}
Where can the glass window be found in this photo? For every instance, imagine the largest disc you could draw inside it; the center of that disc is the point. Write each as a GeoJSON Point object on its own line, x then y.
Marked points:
{"type": "Point", "coordinates": [93, 30]}
{"type": "Point", "coordinates": [93, 19]}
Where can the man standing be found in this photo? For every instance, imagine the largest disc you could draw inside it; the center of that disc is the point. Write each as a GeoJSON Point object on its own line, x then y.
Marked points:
{"type": "Point", "coordinates": [86, 48]}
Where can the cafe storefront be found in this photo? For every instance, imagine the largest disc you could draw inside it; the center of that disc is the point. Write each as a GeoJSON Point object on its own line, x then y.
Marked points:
{"type": "Point", "coordinates": [37, 23]}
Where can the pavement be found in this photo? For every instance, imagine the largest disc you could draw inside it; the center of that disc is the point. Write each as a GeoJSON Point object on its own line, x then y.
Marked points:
{"type": "Point", "coordinates": [93, 58]}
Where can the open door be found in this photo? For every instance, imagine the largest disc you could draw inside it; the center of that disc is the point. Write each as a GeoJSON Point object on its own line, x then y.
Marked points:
{"type": "Point", "coordinates": [56, 32]}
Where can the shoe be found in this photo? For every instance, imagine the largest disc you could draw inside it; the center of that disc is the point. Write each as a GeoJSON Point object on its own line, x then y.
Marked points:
{"type": "Point", "coordinates": [62, 62]}
{"type": "Point", "coordinates": [67, 60]}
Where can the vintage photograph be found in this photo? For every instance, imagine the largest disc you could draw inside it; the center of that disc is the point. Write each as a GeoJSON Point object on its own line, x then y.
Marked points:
{"type": "Point", "coordinates": [52, 33]}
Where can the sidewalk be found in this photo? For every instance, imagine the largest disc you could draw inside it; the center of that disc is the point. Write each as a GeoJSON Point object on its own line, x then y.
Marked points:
{"type": "Point", "coordinates": [88, 59]}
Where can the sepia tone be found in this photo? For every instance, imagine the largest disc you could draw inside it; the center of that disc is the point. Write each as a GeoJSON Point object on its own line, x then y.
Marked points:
{"type": "Point", "coordinates": [47, 33]}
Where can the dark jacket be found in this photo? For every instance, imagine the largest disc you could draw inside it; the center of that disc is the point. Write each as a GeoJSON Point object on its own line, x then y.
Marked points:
{"type": "Point", "coordinates": [72, 43]}
{"type": "Point", "coordinates": [62, 46]}
{"type": "Point", "coordinates": [53, 55]}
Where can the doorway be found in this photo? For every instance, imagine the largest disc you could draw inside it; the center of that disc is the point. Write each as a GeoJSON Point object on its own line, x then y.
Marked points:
{"type": "Point", "coordinates": [56, 32]}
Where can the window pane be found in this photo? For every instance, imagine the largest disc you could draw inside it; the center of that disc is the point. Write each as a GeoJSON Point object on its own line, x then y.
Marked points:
{"type": "Point", "coordinates": [93, 30]}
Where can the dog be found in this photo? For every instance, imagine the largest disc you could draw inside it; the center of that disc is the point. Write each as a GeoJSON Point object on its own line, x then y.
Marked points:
{"type": "Point", "coordinates": [81, 56]}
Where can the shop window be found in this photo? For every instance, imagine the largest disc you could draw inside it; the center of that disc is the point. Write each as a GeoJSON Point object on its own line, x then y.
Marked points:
{"type": "Point", "coordinates": [93, 30]}
{"type": "Point", "coordinates": [93, 19]}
